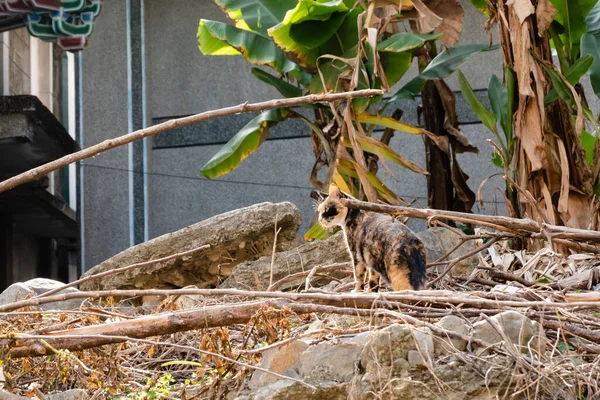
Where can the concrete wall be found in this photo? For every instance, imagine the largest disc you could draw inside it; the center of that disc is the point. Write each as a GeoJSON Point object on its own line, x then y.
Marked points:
{"type": "Point", "coordinates": [19, 61]}
{"type": "Point", "coordinates": [105, 214]}
{"type": "Point", "coordinates": [180, 81]}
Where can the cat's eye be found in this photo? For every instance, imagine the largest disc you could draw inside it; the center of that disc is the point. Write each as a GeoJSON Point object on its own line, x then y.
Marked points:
{"type": "Point", "coordinates": [330, 212]}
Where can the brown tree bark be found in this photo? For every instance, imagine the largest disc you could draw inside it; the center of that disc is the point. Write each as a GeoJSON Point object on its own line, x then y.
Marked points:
{"type": "Point", "coordinates": [548, 156]}
{"type": "Point", "coordinates": [440, 190]}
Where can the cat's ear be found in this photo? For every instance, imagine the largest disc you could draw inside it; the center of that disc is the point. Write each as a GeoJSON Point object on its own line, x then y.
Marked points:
{"type": "Point", "coordinates": [318, 195]}
{"type": "Point", "coordinates": [334, 192]}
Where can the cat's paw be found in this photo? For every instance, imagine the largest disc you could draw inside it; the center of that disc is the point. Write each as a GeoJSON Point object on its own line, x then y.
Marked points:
{"type": "Point", "coordinates": [356, 290]}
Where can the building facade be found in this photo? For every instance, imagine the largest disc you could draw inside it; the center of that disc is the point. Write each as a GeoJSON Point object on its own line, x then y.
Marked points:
{"type": "Point", "coordinates": [39, 40]}
{"type": "Point", "coordinates": [38, 227]}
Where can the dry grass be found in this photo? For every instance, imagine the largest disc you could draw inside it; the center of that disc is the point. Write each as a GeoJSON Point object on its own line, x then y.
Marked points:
{"type": "Point", "coordinates": [170, 365]}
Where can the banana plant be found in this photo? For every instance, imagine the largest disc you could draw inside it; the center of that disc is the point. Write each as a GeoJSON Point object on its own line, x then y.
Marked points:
{"type": "Point", "coordinates": [317, 46]}
{"type": "Point", "coordinates": [549, 148]}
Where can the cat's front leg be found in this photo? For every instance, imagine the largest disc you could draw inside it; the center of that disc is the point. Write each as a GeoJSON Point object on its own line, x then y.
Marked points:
{"type": "Point", "coordinates": [359, 277]}
{"type": "Point", "coordinates": [374, 281]}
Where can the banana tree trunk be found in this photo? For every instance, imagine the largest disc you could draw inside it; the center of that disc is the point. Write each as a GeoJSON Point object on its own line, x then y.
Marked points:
{"type": "Point", "coordinates": [551, 172]}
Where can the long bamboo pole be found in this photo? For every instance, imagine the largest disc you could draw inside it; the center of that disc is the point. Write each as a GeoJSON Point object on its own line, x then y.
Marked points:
{"type": "Point", "coordinates": [177, 123]}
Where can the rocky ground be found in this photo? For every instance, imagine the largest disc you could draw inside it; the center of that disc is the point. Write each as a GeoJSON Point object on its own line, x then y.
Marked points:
{"type": "Point", "coordinates": [500, 324]}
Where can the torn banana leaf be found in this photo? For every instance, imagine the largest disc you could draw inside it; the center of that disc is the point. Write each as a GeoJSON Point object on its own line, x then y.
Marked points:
{"type": "Point", "coordinates": [244, 143]}
{"type": "Point", "coordinates": [383, 151]}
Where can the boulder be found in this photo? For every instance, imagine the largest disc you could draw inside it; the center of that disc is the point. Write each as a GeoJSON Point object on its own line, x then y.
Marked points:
{"type": "Point", "coordinates": [395, 342]}
{"type": "Point", "coordinates": [522, 332]}
{"type": "Point", "coordinates": [329, 362]}
{"type": "Point", "coordinates": [316, 253]}
{"type": "Point", "coordinates": [450, 344]}
{"type": "Point", "coordinates": [289, 390]}
{"type": "Point", "coordinates": [396, 363]}
{"type": "Point", "coordinates": [328, 366]}
{"type": "Point", "coordinates": [234, 237]}
{"type": "Point", "coordinates": [440, 241]}
{"type": "Point", "coordinates": [279, 360]}
{"type": "Point", "coordinates": [34, 287]}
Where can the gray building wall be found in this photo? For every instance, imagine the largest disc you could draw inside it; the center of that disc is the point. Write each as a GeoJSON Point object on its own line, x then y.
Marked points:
{"type": "Point", "coordinates": [180, 81]}
{"type": "Point", "coordinates": [105, 189]}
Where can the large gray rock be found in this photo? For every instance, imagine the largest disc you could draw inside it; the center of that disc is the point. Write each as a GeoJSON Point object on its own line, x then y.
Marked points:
{"type": "Point", "coordinates": [396, 363]}
{"type": "Point", "coordinates": [329, 362]}
{"type": "Point", "coordinates": [389, 349]}
{"type": "Point", "coordinates": [279, 360]}
{"type": "Point", "coordinates": [289, 390]}
{"type": "Point", "coordinates": [328, 366]}
{"type": "Point", "coordinates": [440, 241]}
{"type": "Point", "coordinates": [34, 287]}
{"type": "Point", "coordinates": [523, 333]}
{"type": "Point", "coordinates": [447, 343]}
{"type": "Point", "coordinates": [234, 237]}
{"type": "Point", "coordinates": [317, 253]}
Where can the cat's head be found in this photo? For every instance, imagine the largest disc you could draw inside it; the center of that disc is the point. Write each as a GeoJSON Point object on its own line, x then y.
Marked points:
{"type": "Point", "coordinates": [331, 211]}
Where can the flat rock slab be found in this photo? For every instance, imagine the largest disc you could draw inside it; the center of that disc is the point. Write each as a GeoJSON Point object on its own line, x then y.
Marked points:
{"type": "Point", "coordinates": [250, 274]}
{"type": "Point", "coordinates": [440, 241]}
{"type": "Point", "coordinates": [234, 237]}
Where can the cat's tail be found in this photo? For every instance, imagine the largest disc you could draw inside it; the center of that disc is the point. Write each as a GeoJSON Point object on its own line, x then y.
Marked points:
{"type": "Point", "coordinates": [409, 267]}
{"type": "Point", "coordinates": [417, 264]}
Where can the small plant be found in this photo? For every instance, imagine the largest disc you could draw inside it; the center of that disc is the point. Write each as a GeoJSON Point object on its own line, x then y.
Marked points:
{"type": "Point", "coordinates": [156, 389]}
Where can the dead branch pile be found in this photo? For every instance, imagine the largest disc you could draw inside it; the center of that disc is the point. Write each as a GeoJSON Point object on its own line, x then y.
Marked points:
{"type": "Point", "coordinates": [210, 349]}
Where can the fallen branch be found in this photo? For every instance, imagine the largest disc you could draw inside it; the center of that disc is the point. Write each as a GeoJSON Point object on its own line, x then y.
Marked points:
{"type": "Point", "coordinates": [361, 300]}
{"type": "Point", "coordinates": [168, 323]}
{"type": "Point", "coordinates": [120, 339]}
{"type": "Point", "coordinates": [177, 123]}
{"type": "Point", "coordinates": [287, 280]}
{"type": "Point", "coordinates": [523, 227]}
{"type": "Point", "coordinates": [142, 327]}
{"type": "Point", "coordinates": [433, 304]}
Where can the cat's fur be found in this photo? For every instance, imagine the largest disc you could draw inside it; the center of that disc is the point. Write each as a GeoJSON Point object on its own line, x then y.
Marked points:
{"type": "Point", "coordinates": [377, 242]}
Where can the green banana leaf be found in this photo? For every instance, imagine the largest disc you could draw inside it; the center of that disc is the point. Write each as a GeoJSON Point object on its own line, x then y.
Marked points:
{"type": "Point", "coordinates": [283, 87]}
{"type": "Point", "coordinates": [571, 14]}
{"type": "Point", "coordinates": [218, 39]}
{"type": "Point", "coordinates": [256, 15]}
{"type": "Point", "coordinates": [499, 102]}
{"type": "Point", "coordinates": [330, 70]}
{"type": "Point", "coordinates": [592, 20]}
{"type": "Point", "coordinates": [562, 89]}
{"type": "Point", "coordinates": [404, 41]}
{"type": "Point", "coordinates": [443, 65]}
{"type": "Point", "coordinates": [590, 44]}
{"type": "Point", "coordinates": [316, 232]}
{"type": "Point", "coordinates": [244, 143]}
{"type": "Point", "coordinates": [486, 116]}
{"type": "Point", "coordinates": [396, 53]}
{"type": "Point", "coordinates": [589, 144]}
{"type": "Point", "coordinates": [481, 5]}
{"type": "Point", "coordinates": [395, 65]}
{"type": "Point", "coordinates": [309, 25]}
{"type": "Point", "coordinates": [573, 75]}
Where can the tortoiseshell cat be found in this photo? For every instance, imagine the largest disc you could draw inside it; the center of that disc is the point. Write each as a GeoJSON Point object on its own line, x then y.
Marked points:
{"type": "Point", "coordinates": [378, 242]}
